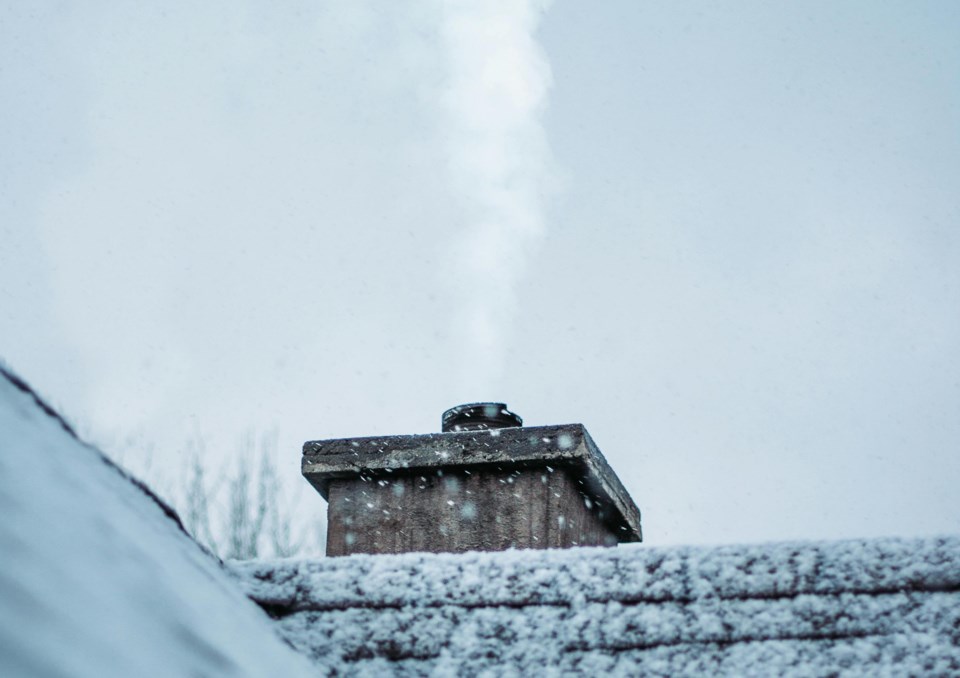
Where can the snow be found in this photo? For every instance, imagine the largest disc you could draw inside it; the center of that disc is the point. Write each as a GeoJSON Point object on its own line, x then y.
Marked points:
{"type": "Point", "coordinates": [98, 579]}
{"type": "Point", "coordinates": [849, 608]}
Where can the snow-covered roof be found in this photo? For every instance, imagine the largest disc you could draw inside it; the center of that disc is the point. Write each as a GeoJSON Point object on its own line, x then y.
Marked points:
{"type": "Point", "coordinates": [97, 578]}
{"type": "Point", "coordinates": [873, 607]}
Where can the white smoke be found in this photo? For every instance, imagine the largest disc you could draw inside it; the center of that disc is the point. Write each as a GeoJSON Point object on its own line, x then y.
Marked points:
{"type": "Point", "coordinates": [499, 161]}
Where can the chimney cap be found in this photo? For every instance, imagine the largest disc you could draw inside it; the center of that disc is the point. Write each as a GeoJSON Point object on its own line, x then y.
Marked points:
{"type": "Point", "coordinates": [479, 417]}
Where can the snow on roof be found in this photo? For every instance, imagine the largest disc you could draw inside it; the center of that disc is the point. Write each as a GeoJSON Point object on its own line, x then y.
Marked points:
{"type": "Point", "coordinates": [845, 608]}
{"type": "Point", "coordinates": [99, 579]}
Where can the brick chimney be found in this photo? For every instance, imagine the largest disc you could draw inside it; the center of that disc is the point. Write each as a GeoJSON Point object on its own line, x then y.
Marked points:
{"type": "Point", "coordinates": [484, 484]}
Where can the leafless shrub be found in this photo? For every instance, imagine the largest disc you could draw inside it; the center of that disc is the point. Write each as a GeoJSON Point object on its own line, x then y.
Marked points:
{"type": "Point", "coordinates": [245, 514]}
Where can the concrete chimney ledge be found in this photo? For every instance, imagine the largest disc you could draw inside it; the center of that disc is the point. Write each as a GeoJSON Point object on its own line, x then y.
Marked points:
{"type": "Point", "coordinates": [521, 487]}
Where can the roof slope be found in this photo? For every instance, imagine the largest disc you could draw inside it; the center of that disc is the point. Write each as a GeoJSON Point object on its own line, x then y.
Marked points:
{"type": "Point", "coordinates": [843, 608]}
{"type": "Point", "coordinates": [97, 578]}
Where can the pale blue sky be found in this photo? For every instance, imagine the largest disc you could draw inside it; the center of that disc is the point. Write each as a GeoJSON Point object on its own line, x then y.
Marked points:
{"type": "Point", "coordinates": [743, 274]}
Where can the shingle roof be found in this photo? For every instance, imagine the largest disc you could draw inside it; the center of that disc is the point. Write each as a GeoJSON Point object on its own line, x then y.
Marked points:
{"type": "Point", "coordinates": [845, 608]}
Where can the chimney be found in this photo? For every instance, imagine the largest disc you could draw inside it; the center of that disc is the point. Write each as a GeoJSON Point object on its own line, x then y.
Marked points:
{"type": "Point", "coordinates": [486, 483]}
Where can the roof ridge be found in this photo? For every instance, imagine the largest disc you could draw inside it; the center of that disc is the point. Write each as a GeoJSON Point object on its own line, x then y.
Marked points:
{"type": "Point", "coordinates": [279, 609]}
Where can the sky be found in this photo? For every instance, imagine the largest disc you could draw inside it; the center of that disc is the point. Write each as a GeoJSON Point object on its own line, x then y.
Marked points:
{"type": "Point", "coordinates": [725, 238]}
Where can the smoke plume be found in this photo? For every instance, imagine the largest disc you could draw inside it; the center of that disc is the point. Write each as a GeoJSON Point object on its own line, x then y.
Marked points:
{"type": "Point", "coordinates": [499, 161]}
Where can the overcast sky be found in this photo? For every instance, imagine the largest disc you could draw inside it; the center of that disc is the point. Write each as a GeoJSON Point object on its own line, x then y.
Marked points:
{"type": "Point", "coordinates": [724, 237]}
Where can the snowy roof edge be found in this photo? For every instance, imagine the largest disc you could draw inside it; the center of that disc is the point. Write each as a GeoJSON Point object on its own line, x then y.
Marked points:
{"type": "Point", "coordinates": [21, 385]}
{"type": "Point", "coordinates": [625, 575]}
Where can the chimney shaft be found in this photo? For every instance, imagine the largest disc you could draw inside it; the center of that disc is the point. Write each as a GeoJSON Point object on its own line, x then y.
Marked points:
{"type": "Point", "coordinates": [491, 487]}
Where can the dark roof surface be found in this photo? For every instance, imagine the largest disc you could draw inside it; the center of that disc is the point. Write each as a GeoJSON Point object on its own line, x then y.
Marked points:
{"type": "Point", "coordinates": [842, 608]}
